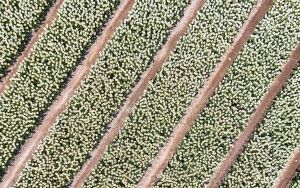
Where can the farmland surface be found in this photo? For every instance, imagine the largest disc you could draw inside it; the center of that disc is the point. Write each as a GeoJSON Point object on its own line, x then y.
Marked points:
{"type": "Point", "coordinates": [102, 93]}
{"type": "Point", "coordinates": [18, 20]}
{"type": "Point", "coordinates": [142, 93]}
{"type": "Point", "coordinates": [226, 113]}
{"type": "Point", "coordinates": [296, 181]}
{"type": "Point", "coordinates": [171, 91]}
{"type": "Point", "coordinates": [272, 143]}
{"type": "Point", "coordinates": [45, 71]}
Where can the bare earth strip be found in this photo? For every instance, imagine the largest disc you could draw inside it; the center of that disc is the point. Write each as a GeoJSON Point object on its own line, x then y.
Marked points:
{"type": "Point", "coordinates": [200, 101]}
{"type": "Point", "coordinates": [60, 103]}
{"type": "Point", "coordinates": [136, 93]}
{"type": "Point", "coordinates": [286, 176]}
{"type": "Point", "coordinates": [275, 87]}
{"type": "Point", "coordinates": [12, 70]}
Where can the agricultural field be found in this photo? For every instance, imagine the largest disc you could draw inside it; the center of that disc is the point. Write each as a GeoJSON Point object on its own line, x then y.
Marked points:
{"type": "Point", "coordinates": [18, 19]}
{"type": "Point", "coordinates": [160, 108]}
{"type": "Point", "coordinates": [276, 138]}
{"type": "Point", "coordinates": [47, 69]}
{"type": "Point", "coordinates": [225, 115]}
{"type": "Point", "coordinates": [149, 93]}
{"type": "Point", "coordinates": [296, 181]}
{"type": "Point", "coordinates": [102, 93]}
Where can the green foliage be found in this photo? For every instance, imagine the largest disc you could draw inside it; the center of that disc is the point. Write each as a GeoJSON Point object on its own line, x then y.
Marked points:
{"type": "Point", "coordinates": [296, 181]}
{"type": "Point", "coordinates": [224, 118]}
{"type": "Point", "coordinates": [272, 143]}
{"type": "Point", "coordinates": [44, 73]}
{"type": "Point", "coordinates": [164, 102]}
{"type": "Point", "coordinates": [18, 20]}
{"type": "Point", "coordinates": [102, 93]}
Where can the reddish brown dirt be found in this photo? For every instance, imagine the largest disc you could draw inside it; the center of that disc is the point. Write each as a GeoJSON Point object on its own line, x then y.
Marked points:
{"type": "Point", "coordinates": [277, 84]}
{"type": "Point", "coordinates": [61, 102]}
{"type": "Point", "coordinates": [12, 70]}
{"type": "Point", "coordinates": [137, 91]}
{"type": "Point", "coordinates": [286, 176]}
{"type": "Point", "coordinates": [200, 101]}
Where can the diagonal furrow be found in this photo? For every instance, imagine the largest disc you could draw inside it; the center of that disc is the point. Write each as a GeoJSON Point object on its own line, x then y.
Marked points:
{"type": "Point", "coordinates": [59, 105]}
{"type": "Point", "coordinates": [201, 99]}
{"type": "Point", "coordinates": [137, 92]}
{"type": "Point", "coordinates": [78, 130]}
{"type": "Point", "coordinates": [277, 84]}
{"type": "Point", "coordinates": [292, 165]}
{"type": "Point", "coordinates": [12, 70]}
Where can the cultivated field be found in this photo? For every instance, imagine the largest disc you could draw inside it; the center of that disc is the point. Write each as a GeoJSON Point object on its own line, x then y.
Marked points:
{"type": "Point", "coordinates": [44, 73]}
{"type": "Point", "coordinates": [296, 181]}
{"type": "Point", "coordinates": [18, 19]}
{"type": "Point", "coordinates": [147, 93]}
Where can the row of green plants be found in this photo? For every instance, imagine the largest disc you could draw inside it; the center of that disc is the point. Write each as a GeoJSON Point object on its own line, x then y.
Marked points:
{"type": "Point", "coordinates": [296, 181]}
{"type": "Point", "coordinates": [96, 102]}
{"type": "Point", "coordinates": [18, 20]}
{"type": "Point", "coordinates": [274, 141]}
{"type": "Point", "coordinates": [45, 72]}
{"type": "Point", "coordinates": [224, 117]}
{"type": "Point", "coordinates": [169, 94]}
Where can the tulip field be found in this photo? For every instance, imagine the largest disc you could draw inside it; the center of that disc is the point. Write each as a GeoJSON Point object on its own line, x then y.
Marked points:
{"type": "Point", "coordinates": [18, 20]}
{"type": "Point", "coordinates": [296, 181]}
{"type": "Point", "coordinates": [149, 93]}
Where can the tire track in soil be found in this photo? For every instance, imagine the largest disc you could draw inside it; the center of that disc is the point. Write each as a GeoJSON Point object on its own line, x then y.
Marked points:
{"type": "Point", "coordinates": [13, 69]}
{"type": "Point", "coordinates": [285, 178]}
{"type": "Point", "coordinates": [118, 122]}
{"type": "Point", "coordinates": [266, 101]}
{"type": "Point", "coordinates": [15, 169]}
{"type": "Point", "coordinates": [199, 102]}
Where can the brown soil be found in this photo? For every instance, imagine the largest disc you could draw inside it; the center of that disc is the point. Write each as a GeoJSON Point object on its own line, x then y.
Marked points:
{"type": "Point", "coordinates": [200, 101]}
{"type": "Point", "coordinates": [61, 102]}
{"type": "Point", "coordinates": [117, 124]}
{"type": "Point", "coordinates": [12, 70]}
{"type": "Point", "coordinates": [286, 176]}
{"type": "Point", "coordinates": [277, 84]}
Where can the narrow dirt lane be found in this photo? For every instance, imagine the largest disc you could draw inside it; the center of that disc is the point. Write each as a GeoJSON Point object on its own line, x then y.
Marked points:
{"type": "Point", "coordinates": [275, 87]}
{"type": "Point", "coordinates": [137, 92]}
{"type": "Point", "coordinates": [200, 101]}
{"type": "Point", "coordinates": [286, 176]}
{"type": "Point", "coordinates": [60, 103]}
{"type": "Point", "coordinates": [12, 70]}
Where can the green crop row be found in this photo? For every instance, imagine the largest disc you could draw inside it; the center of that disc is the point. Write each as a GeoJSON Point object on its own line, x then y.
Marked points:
{"type": "Point", "coordinates": [18, 20]}
{"type": "Point", "coordinates": [296, 181]}
{"type": "Point", "coordinates": [269, 148]}
{"type": "Point", "coordinates": [96, 102]}
{"type": "Point", "coordinates": [44, 73]}
{"type": "Point", "coordinates": [168, 95]}
{"type": "Point", "coordinates": [236, 98]}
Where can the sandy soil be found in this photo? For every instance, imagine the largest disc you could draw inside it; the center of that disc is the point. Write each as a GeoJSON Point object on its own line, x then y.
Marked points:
{"type": "Point", "coordinates": [200, 101]}
{"type": "Point", "coordinates": [12, 70]}
{"type": "Point", "coordinates": [286, 176]}
{"type": "Point", "coordinates": [137, 92]}
{"type": "Point", "coordinates": [61, 102]}
{"type": "Point", "coordinates": [238, 147]}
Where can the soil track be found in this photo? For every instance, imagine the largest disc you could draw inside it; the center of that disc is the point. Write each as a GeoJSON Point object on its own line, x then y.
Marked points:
{"type": "Point", "coordinates": [275, 87]}
{"type": "Point", "coordinates": [200, 101]}
{"type": "Point", "coordinates": [61, 102]}
{"type": "Point", "coordinates": [12, 70]}
{"type": "Point", "coordinates": [136, 93]}
{"type": "Point", "coordinates": [286, 176]}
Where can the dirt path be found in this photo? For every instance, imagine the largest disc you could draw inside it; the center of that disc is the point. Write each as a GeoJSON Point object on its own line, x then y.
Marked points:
{"type": "Point", "coordinates": [275, 87]}
{"type": "Point", "coordinates": [286, 176]}
{"type": "Point", "coordinates": [60, 103]}
{"type": "Point", "coordinates": [12, 70]}
{"type": "Point", "coordinates": [200, 101]}
{"type": "Point", "coordinates": [118, 122]}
